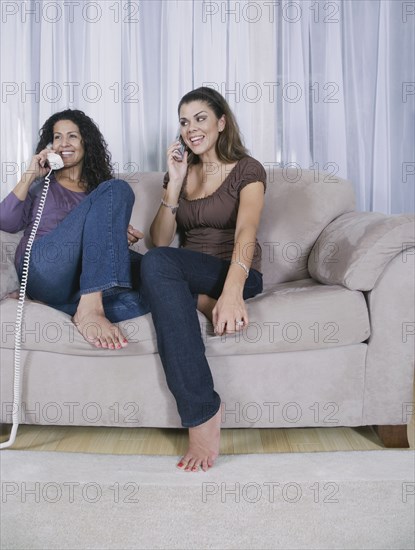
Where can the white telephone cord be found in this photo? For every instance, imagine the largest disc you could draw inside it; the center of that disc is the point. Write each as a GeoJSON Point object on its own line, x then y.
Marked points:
{"type": "Point", "coordinates": [19, 318]}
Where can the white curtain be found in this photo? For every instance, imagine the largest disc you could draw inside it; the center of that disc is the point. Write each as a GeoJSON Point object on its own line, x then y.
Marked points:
{"type": "Point", "coordinates": [324, 84]}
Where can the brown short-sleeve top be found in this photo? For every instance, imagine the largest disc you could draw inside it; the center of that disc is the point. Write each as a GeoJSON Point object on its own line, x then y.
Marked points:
{"type": "Point", "coordinates": [208, 224]}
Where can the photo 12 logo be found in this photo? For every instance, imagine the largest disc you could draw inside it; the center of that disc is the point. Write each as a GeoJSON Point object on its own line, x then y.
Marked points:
{"type": "Point", "coordinates": [70, 492]}
{"type": "Point", "coordinates": [73, 413]}
{"type": "Point", "coordinates": [275, 92]}
{"type": "Point", "coordinates": [53, 92]}
{"type": "Point", "coordinates": [270, 491]}
{"type": "Point", "coordinates": [71, 11]}
{"type": "Point", "coordinates": [271, 11]}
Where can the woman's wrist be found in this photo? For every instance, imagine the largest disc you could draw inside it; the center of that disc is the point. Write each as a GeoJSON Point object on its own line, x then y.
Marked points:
{"type": "Point", "coordinates": [234, 285]}
{"type": "Point", "coordinates": [171, 199]}
{"type": "Point", "coordinates": [28, 177]}
{"type": "Point", "coordinates": [242, 266]}
{"type": "Point", "coordinates": [174, 187]}
{"type": "Point", "coordinates": [172, 207]}
{"type": "Point", "coordinates": [176, 180]}
{"type": "Point", "coordinates": [22, 188]}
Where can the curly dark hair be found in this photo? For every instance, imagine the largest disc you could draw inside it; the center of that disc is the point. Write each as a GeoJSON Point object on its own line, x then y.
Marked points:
{"type": "Point", "coordinates": [229, 146]}
{"type": "Point", "coordinates": [97, 165]}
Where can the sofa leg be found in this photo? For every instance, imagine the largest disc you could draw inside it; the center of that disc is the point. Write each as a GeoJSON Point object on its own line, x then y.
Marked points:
{"type": "Point", "coordinates": [393, 435]}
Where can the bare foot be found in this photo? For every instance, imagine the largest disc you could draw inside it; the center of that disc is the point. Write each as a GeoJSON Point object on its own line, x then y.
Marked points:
{"type": "Point", "coordinates": [203, 448]}
{"type": "Point", "coordinates": [205, 305]}
{"type": "Point", "coordinates": [92, 324]}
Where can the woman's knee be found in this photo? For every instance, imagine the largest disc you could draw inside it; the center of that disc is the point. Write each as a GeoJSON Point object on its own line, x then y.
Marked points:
{"type": "Point", "coordinates": [152, 260]}
{"type": "Point", "coordinates": [157, 261]}
{"type": "Point", "coordinates": [119, 188]}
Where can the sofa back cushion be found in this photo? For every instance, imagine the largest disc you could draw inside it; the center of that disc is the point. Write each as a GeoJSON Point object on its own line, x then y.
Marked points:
{"type": "Point", "coordinates": [299, 204]}
{"type": "Point", "coordinates": [148, 190]}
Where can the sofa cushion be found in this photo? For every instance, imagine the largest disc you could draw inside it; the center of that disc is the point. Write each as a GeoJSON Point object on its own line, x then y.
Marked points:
{"type": "Point", "coordinates": [293, 316]}
{"type": "Point", "coordinates": [296, 316]}
{"type": "Point", "coordinates": [9, 281]}
{"type": "Point", "coordinates": [299, 204]}
{"type": "Point", "coordinates": [354, 249]}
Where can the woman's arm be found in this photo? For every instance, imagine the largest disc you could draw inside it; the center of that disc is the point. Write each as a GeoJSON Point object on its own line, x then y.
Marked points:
{"type": "Point", "coordinates": [164, 225]}
{"type": "Point", "coordinates": [36, 170]}
{"type": "Point", "coordinates": [230, 306]}
{"type": "Point", "coordinates": [14, 207]}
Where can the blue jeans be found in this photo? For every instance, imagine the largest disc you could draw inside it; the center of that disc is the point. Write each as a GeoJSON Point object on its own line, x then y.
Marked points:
{"type": "Point", "coordinates": [170, 278]}
{"type": "Point", "coordinates": [88, 252]}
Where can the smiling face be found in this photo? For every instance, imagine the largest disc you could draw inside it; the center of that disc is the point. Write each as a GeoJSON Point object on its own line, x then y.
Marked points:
{"type": "Point", "coordinates": [200, 127]}
{"type": "Point", "coordinates": [68, 143]}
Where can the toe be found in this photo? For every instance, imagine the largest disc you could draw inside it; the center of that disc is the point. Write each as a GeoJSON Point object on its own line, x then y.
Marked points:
{"type": "Point", "coordinates": [190, 465]}
{"type": "Point", "coordinates": [181, 464]}
{"type": "Point", "coordinates": [120, 339]}
{"type": "Point", "coordinates": [196, 466]}
{"type": "Point", "coordinates": [104, 343]}
{"type": "Point", "coordinates": [111, 342]}
{"type": "Point", "coordinates": [115, 342]}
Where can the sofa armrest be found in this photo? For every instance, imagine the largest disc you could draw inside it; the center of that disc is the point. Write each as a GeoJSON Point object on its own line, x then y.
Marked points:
{"type": "Point", "coordinates": [389, 373]}
{"type": "Point", "coordinates": [354, 249]}
{"type": "Point", "coordinates": [9, 281]}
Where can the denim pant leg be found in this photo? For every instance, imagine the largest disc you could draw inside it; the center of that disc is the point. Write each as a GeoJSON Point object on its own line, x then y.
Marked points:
{"type": "Point", "coordinates": [170, 279]}
{"type": "Point", "coordinates": [87, 252]}
{"type": "Point", "coordinates": [126, 304]}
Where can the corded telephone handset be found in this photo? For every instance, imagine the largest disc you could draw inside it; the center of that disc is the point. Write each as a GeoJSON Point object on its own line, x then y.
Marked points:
{"type": "Point", "coordinates": [56, 163]}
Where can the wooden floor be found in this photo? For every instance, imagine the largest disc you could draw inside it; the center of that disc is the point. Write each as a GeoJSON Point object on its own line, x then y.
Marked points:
{"type": "Point", "coordinates": [154, 441]}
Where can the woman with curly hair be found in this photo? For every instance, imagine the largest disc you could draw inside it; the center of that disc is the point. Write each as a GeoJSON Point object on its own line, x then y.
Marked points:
{"type": "Point", "coordinates": [80, 261]}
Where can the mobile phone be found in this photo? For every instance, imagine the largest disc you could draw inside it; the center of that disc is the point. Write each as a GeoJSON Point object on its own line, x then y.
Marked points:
{"type": "Point", "coordinates": [181, 149]}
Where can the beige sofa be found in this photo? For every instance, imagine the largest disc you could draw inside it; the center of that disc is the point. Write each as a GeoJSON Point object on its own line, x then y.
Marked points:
{"type": "Point", "coordinates": [330, 341]}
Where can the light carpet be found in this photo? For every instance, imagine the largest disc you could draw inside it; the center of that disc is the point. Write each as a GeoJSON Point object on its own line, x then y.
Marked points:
{"type": "Point", "coordinates": [346, 500]}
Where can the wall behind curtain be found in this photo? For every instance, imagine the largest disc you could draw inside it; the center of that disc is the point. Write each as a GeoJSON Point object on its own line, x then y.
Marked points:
{"type": "Point", "coordinates": [321, 84]}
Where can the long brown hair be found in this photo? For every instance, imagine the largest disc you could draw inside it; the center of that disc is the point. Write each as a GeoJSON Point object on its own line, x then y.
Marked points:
{"type": "Point", "coordinates": [229, 146]}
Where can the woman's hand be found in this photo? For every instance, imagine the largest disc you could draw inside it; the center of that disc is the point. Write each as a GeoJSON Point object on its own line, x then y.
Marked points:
{"type": "Point", "coordinates": [133, 235]}
{"type": "Point", "coordinates": [163, 227]}
{"type": "Point", "coordinates": [229, 314]}
{"type": "Point", "coordinates": [38, 167]}
{"type": "Point", "coordinates": [177, 165]}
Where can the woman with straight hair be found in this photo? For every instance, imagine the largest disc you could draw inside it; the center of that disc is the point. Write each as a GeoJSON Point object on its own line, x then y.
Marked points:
{"type": "Point", "coordinates": [214, 194]}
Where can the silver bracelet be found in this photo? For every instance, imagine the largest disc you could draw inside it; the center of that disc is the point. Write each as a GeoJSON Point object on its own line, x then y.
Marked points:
{"type": "Point", "coordinates": [172, 207]}
{"type": "Point", "coordinates": [242, 265]}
